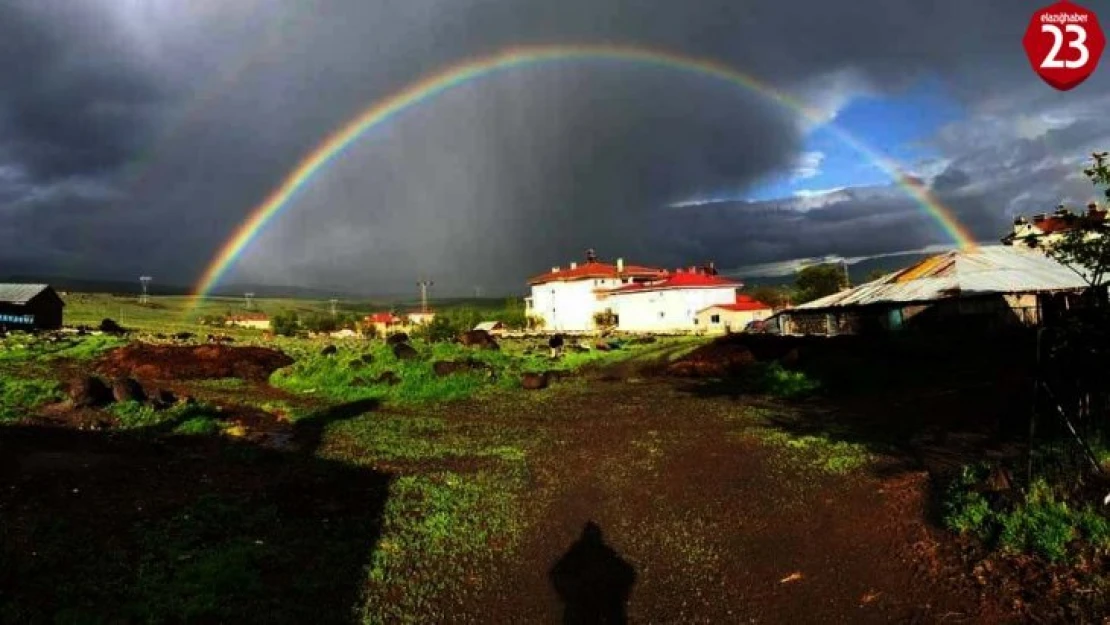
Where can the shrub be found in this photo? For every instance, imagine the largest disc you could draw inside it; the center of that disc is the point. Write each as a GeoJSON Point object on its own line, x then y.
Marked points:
{"type": "Point", "coordinates": [1042, 525]}
{"type": "Point", "coordinates": [285, 324]}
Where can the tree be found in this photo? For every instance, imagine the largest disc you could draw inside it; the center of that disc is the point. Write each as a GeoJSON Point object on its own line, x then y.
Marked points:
{"type": "Point", "coordinates": [285, 324]}
{"type": "Point", "coordinates": [514, 315]}
{"type": "Point", "coordinates": [1085, 247]}
{"type": "Point", "coordinates": [319, 322]}
{"type": "Point", "coordinates": [774, 296]}
{"type": "Point", "coordinates": [817, 281]}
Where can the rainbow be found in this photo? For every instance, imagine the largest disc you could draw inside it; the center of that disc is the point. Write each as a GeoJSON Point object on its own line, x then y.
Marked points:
{"type": "Point", "coordinates": [384, 110]}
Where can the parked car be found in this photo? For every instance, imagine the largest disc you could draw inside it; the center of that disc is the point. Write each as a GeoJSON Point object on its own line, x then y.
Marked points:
{"type": "Point", "coordinates": [771, 325]}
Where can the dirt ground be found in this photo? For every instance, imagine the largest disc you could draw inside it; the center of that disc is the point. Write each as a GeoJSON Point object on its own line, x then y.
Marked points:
{"type": "Point", "coordinates": [721, 528]}
{"type": "Point", "coordinates": [659, 496]}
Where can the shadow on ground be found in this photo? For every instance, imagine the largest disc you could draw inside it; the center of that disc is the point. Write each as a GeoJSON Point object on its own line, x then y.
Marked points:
{"type": "Point", "coordinates": [138, 526]}
{"type": "Point", "coordinates": [593, 582]}
{"type": "Point", "coordinates": [922, 403]}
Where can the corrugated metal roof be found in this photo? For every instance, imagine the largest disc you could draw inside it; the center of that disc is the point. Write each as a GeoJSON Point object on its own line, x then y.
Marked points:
{"type": "Point", "coordinates": [992, 269]}
{"type": "Point", "coordinates": [20, 293]}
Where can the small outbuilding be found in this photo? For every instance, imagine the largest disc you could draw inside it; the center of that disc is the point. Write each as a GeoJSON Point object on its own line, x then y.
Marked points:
{"type": "Point", "coordinates": [734, 317]}
{"type": "Point", "coordinates": [257, 321]}
{"type": "Point", "coordinates": [30, 307]}
{"type": "Point", "coordinates": [490, 326]}
{"type": "Point", "coordinates": [990, 288]}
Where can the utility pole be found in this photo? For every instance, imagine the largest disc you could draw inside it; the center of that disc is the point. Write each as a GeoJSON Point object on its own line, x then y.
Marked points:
{"type": "Point", "coordinates": [847, 278]}
{"type": "Point", "coordinates": [249, 297]}
{"type": "Point", "coordinates": [145, 297]}
{"type": "Point", "coordinates": [424, 284]}
{"type": "Point", "coordinates": [333, 303]}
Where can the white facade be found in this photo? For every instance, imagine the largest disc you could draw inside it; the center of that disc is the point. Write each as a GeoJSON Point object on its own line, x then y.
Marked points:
{"type": "Point", "coordinates": [569, 306]}
{"type": "Point", "coordinates": [666, 310]}
{"type": "Point", "coordinates": [722, 319]}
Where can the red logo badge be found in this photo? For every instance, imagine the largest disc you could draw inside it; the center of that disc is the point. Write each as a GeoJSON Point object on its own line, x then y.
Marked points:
{"type": "Point", "coordinates": [1063, 43]}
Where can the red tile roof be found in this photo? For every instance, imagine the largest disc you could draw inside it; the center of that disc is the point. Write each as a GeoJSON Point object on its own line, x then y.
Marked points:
{"type": "Point", "coordinates": [743, 303]}
{"type": "Point", "coordinates": [682, 279]}
{"type": "Point", "coordinates": [383, 317]}
{"type": "Point", "coordinates": [596, 269]}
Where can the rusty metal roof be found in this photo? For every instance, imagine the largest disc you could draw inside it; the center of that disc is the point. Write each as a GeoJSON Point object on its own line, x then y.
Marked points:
{"type": "Point", "coordinates": [20, 293]}
{"type": "Point", "coordinates": [991, 269]}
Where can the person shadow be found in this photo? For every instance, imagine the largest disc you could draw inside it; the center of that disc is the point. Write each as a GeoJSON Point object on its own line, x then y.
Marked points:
{"type": "Point", "coordinates": [593, 582]}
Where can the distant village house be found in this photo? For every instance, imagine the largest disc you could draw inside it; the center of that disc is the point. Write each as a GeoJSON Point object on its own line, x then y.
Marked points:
{"type": "Point", "coordinates": [596, 295]}
{"type": "Point", "coordinates": [1044, 230]}
{"type": "Point", "coordinates": [257, 321]}
{"type": "Point", "coordinates": [30, 307]}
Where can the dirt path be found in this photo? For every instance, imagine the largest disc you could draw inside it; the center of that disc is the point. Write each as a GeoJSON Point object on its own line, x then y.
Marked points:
{"type": "Point", "coordinates": [720, 527]}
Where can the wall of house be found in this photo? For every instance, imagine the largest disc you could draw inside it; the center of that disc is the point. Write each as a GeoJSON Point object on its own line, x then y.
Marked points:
{"type": "Point", "coordinates": [669, 310]}
{"type": "Point", "coordinates": [569, 306]}
{"type": "Point", "coordinates": [727, 320]}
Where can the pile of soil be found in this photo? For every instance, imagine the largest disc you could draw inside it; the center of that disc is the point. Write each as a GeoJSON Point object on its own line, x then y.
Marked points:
{"type": "Point", "coordinates": [185, 362]}
{"type": "Point", "coordinates": [715, 360]}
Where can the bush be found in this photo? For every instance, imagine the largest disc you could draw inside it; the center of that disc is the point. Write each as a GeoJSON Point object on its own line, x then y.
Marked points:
{"type": "Point", "coordinates": [285, 324]}
{"type": "Point", "coordinates": [1042, 525]}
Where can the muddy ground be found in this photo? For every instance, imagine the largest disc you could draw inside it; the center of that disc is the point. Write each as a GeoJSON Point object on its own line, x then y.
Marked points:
{"type": "Point", "coordinates": [698, 517]}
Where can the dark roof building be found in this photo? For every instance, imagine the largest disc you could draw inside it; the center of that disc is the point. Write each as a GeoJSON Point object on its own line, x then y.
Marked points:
{"type": "Point", "coordinates": [30, 307]}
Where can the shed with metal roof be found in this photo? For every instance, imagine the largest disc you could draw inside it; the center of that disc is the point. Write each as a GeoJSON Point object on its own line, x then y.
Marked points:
{"type": "Point", "coordinates": [30, 307]}
{"type": "Point", "coordinates": [985, 288]}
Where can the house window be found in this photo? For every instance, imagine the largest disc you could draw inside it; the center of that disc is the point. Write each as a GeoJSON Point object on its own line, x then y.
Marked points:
{"type": "Point", "coordinates": [715, 319]}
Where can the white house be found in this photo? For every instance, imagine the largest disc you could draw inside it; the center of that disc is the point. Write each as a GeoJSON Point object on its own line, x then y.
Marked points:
{"type": "Point", "coordinates": [670, 304]}
{"type": "Point", "coordinates": [566, 299]}
{"type": "Point", "coordinates": [733, 317]}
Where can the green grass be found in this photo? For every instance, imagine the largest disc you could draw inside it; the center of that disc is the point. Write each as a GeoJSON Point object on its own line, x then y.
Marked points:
{"type": "Point", "coordinates": [438, 529]}
{"type": "Point", "coordinates": [821, 451]}
{"type": "Point", "coordinates": [340, 378]}
{"type": "Point", "coordinates": [190, 418]}
{"type": "Point", "coordinates": [21, 396]}
{"type": "Point", "coordinates": [19, 347]}
{"type": "Point", "coordinates": [1041, 522]}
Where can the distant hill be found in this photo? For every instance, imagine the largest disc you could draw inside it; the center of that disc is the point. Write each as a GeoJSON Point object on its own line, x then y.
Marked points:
{"type": "Point", "coordinates": [93, 285]}
{"type": "Point", "coordinates": [858, 272]}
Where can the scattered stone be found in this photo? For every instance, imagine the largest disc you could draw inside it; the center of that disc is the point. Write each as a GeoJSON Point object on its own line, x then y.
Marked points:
{"type": "Point", "coordinates": [404, 351]}
{"type": "Point", "coordinates": [367, 358]}
{"type": "Point", "coordinates": [533, 381]}
{"type": "Point", "coordinates": [330, 350]}
{"type": "Point", "coordinates": [478, 338]}
{"type": "Point", "coordinates": [397, 339]}
{"type": "Point", "coordinates": [109, 326]}
{"type": "Point", "coordinates": [601, 346]}
{"type": "Point", "coordinates": [183, 336]}
{"type": "Point", "coordinates": [388, 377]}
{"type": "Point", "coordinates": [128, 389]}
{"type": "Point", "coordinates": [164, 399]}
{"type": "Point", "coordinates": [355, 364]}
{"type": "Point", "coordinates": [89, 392]}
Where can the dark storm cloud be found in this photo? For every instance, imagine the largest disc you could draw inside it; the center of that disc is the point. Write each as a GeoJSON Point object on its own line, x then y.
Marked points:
{"type": "Point", "coordinates": [136, 137]}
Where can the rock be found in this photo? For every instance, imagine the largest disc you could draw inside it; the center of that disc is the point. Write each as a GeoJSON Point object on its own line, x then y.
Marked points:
{"type": "Point", "coordinates": [601, 346]}
{"type": "Point", "coordinates": [404, 351]}
{"type": "Point", "coordinates": [163, 399]}
{"type": "Point", "coordinates": [127, 389]}
{"type": "Point", "coordinates": [183, 336]}
{"type": "Point", "coordinates": [999, 480]}
{"type": "Point", "coordinates": [355, 364]}
{"type": "Point", "coordinates": [89, 392]}
{"type": "Point", "coordinates": [478, 338]}
{"type": "Point", "coordinates": [367, 358]}
{"type": "Point", "coordinates": [444, 368]}
{"type": "Point", "coordinates": [533, 381]}
{"type": "Point", "coordinates": [397, 339]}
{"type": "Point", "coordinates": [109, 326]}
{"type": "Point", "coordinates": [330, 350]}
{"type": "Point", "coordinates": [388, 377]}
{"type": "Point", "coordinates": [555, 342]}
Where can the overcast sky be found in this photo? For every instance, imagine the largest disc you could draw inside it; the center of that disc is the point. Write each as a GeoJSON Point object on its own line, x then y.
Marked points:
{"type": "Point", "coordinates": [136, 134]}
